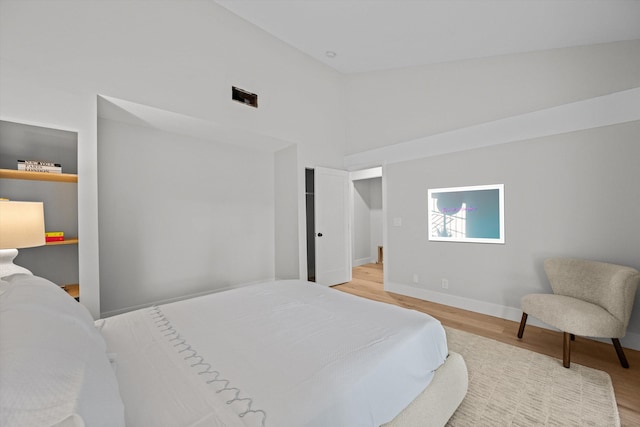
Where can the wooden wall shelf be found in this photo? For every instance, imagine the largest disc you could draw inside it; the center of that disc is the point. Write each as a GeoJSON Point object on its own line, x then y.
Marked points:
{"type": "Point", "coordinates": [38, 176]}
{"type": "Point", "coordinates": [71, 241]}
{"type": "Point", "coordinates": [73, 290]}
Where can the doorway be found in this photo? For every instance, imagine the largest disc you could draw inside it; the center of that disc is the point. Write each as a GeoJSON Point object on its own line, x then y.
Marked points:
{"type": "Point", "coordinates": [367, 218]}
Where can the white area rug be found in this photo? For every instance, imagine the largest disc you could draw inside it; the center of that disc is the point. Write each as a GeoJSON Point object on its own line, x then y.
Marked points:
{"type": "Point", "coordinates": [511, 386]}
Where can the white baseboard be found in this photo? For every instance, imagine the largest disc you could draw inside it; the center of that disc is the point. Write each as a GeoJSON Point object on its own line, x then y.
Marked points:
{"type": "Point", "coordinates": [363, 261]}
{"type": "Point", "coordinates": [631, 340]}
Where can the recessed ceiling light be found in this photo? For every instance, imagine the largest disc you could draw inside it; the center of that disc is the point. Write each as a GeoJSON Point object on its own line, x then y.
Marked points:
{"type": "Point", "coordinates": [330, 54]}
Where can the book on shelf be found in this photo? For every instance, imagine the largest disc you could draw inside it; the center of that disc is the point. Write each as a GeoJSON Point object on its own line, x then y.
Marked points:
{"type": "Point", "coordinates": [46, 169]}
{"type": "Point", "coordinates": [39, 166]}
{"type": "Point", "coordinates": [54, 236]}
{"type": "Point", "coordinates": [38, 163]}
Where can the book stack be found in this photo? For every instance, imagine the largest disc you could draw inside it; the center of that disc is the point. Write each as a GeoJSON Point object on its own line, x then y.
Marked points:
{"type": "Point", "coordinates": [39, 166]}
{"type": "Point", "coordinates": [54, 236]}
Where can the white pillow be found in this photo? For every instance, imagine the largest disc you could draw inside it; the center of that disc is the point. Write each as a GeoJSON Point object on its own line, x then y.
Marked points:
{"type": "Point", "coordinates": [29, 292]}
{"type": "Point", "coordinates": [55, 371]}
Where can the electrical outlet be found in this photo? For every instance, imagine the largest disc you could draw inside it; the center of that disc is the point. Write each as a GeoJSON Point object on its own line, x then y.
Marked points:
{"type": "Point", "coordinates": [445, 284]}
{"type": "Point", "coordinates": [415, 278]}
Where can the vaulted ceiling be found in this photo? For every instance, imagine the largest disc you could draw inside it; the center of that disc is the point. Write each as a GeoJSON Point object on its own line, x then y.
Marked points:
{"type": "Point", "coordinates": [364, 35]}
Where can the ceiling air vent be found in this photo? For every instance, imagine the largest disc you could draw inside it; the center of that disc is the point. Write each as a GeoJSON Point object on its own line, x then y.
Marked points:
{"type": "Point", "coordinates": [247, 98]}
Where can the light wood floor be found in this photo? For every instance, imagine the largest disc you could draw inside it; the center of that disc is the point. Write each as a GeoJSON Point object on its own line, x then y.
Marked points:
{"type": "Point", "coordinates": [367, 282]}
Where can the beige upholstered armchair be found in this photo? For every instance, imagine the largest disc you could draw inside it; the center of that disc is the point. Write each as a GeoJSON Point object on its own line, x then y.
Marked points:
{"type": "Point", "coordinates": [589, 298]}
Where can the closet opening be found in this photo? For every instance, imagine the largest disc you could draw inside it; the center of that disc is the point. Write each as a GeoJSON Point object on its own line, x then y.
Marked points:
{"type": "Point", "coordinates": [311, 232]}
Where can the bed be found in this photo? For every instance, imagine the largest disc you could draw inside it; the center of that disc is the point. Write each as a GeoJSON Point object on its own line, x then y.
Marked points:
{"type": "Point", "coordinates": [274, 354]}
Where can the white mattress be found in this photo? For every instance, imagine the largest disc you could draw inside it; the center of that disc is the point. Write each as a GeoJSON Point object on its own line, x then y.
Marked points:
{"type": "Point", "coordinates": [296, 353]}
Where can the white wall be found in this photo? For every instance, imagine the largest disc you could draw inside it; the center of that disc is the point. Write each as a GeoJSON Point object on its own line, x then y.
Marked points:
{"type": "Point", "coordinates": [179, 56]}
{"type": "Point", "coordinates": [389, 107]}
{"type": "Point", "coordinates": [287, 259]}
{"type": "Point", "coordinates": [179, 216]}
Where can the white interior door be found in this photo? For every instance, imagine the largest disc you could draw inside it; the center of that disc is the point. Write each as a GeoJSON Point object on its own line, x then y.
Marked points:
{"type": "Point", "coordinates": [332, 239]}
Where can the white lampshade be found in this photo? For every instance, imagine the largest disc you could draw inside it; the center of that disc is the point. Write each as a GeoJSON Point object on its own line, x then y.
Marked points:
{"type": "Point", "coordinates": [21, 226]}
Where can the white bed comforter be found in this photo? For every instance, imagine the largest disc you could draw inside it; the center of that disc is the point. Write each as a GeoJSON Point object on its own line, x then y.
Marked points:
{"type": "Point", "coordinates": [276, 354]}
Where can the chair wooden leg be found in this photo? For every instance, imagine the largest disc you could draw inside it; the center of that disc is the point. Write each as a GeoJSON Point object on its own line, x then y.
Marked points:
{"type": "Point", "coordinates": [566, 350]}
{"type": "Point", "coordinates": [620, 352]}
{"type": "Point", "coordinates": [523, 322]}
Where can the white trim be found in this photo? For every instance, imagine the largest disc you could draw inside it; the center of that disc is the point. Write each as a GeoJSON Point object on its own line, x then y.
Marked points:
{"type": "Point", "coordinates": [366, 174]}
{"type": "Point", "coordinates": [363, 261]}
{"type": "Point", "coordinates": [615, 108]}
{"type": "Point", "coordinates": [385, 221]}
{"type": "Point", "coordinates": [631, 340]}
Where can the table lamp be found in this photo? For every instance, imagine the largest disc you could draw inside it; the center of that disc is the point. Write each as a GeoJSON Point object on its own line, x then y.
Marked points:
{"type": "Point", "coordinates": [21, 226]}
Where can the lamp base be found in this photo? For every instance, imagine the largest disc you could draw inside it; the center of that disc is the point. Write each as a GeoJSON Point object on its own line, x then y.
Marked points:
{"type": "Point", "coordinates": [7, 267]}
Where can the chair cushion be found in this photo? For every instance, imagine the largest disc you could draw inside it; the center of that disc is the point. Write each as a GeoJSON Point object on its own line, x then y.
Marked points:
{"type": "Point", "coordinates": [573, 315]}
{"type": "Point", "coordinates": [610, 286]}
